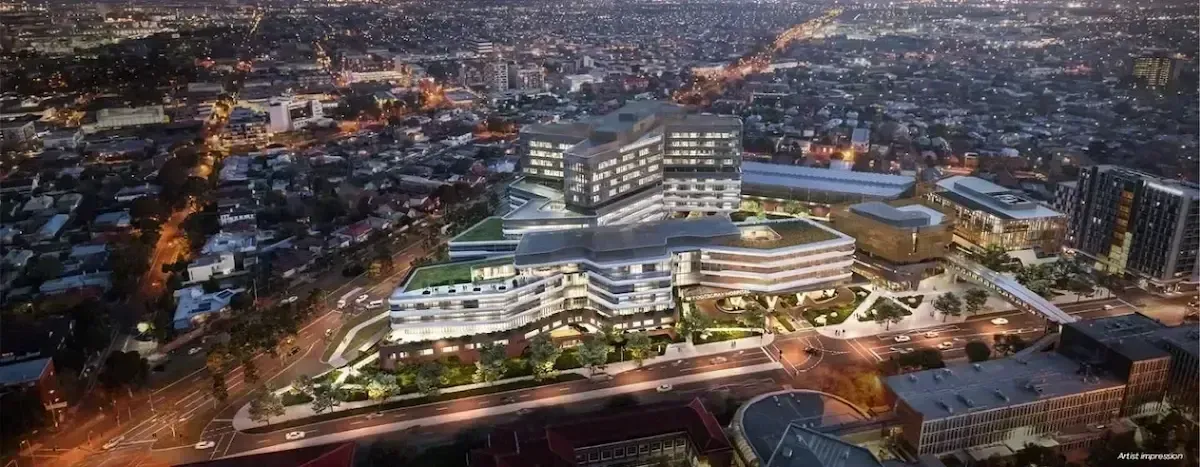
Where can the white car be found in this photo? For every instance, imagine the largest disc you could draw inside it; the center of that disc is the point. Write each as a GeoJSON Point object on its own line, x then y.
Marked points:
{"type": "Point", "coordinates": [289, 300]}
{"type": "Point", "coordinates": [341, 304]}
{"type": "Point", "coordinates": [293, 435]}
{"type": "Point", "coordinates": [362, 298]}
{"type": "Point", "coordinates": [373, 415]}
{"type": "Point", "coordinates": [931, 334]}
{"type": "Point", "coordinates": [194, 350]}
{"type": "Point", "coordinates": [1108, 307]}
{"type": "Point", "coordinates": [945, 345]}
{"type": "Point", "coordinates": [112, 443]}
{"type": "Point", "coordinates": [903, 338]}
{"type": "Point", "coordinates": [205, 445]}
{"type": "Point", "coordinates": [374, 304]}
{"type": "Point", "coordinates": [999, 321]}
{"type": "Point", "coordinates": [665, 388]}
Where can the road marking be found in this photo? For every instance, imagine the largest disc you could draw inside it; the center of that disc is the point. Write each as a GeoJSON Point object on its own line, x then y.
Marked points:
{"type": "Point", "coordinates": [358, 422]}
{"type": "Point", "coordinates": [524, 396]}
{"type": "Point", "coordinates": [439, 409]}
{"type": "Point", "coordinates": [563, 389]}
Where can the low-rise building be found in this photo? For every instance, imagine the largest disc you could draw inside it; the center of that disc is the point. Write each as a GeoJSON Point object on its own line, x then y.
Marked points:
{"type": "Point", "coordinates": [821, 186]}
{"type": "Point", "coordinates": [193, 306]}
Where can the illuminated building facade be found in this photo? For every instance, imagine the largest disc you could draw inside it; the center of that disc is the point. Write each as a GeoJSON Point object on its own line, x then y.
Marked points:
{"type": "Point", "coordinates": [988, 214]}
{"type": "Point", "coordinates": [621, 275]}
{"type": "Point", "coordinates": [898, 243]}
{"type": "Point", "coordinates": [1155, 72]}
{"type": "Point", "coordinates": [1137, 223]}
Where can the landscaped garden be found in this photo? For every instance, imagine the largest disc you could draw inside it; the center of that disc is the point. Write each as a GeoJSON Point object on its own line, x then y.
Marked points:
{"type": "Point", "coordinates": [835, 310]}
{"type": "Point", "coordinates": [870, 314]}
{"type": "Point", "coordinates": [491, 228]}
{"type": "Point", "coordinates": [912, 301]}
{"type": "Point", "coordinates": [444, 274]}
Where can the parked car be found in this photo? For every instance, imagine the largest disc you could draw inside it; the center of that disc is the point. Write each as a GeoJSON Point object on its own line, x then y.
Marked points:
{"type": "Point", "coordinates": [362, 298]}
{"type": "Point", "coordinates": [374, 304]}
{"type": "Point", "coordinates": [341, 303]}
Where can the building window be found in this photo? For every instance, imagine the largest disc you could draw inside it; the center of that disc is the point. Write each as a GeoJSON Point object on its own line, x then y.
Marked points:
{"type": "Point", "coordinates": [645, 448]}
{"type": "Point", "coordinates": [450, 348]}
{"type": "Point", "coordinates": [426, 352]}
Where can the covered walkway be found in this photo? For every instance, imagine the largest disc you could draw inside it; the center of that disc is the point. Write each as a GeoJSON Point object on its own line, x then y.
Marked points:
{"type": "Point", "coordinates": [1008, 288]}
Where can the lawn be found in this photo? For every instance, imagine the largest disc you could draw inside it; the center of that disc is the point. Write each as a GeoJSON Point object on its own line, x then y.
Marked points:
{"type": "Point", "coordinates": [491, 228]}
{"type": "Point", "coordinates": [789, 234]}
{"type": "Point", "coordinates": [834, 314]}
{"type": "Point", "coordinates": [442, 274]}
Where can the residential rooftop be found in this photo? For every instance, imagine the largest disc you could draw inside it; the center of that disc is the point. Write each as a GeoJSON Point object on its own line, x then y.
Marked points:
{"type": "Point", "coordinates": [779, 234]}
{"type": "Point", "coordinates": [439, 274]}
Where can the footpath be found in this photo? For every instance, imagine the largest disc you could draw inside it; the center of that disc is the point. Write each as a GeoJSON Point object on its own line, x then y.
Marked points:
{"type": "Point", "coordinates": [242, 421]}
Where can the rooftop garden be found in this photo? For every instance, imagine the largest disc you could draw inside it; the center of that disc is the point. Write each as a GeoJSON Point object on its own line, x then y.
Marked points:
{"type": "Point", "coordinates": [778, 235]}
{"type": "Point", "coordinates": [440, 274]}
{"type": "Point", "coordinates": [488, 229]}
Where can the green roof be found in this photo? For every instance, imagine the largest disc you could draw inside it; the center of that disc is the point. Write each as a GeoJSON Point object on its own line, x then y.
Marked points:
{"type": "Point", "coordinates": [789, 234]}
{"type": "Point", "coordinates": [491, 228]}
{"type": "Point", "coordinates": [440, 274]}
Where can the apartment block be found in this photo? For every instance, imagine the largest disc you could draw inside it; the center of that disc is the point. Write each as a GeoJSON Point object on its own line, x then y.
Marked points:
{"type": "Point", "coordinates": [1140, 224]}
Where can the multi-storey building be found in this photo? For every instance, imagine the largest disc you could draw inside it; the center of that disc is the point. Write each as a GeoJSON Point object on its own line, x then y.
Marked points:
{"type": "Point", "coordinates": [1137, 223]}
{"type": "Point", "coordinates": [246, 128]}
{"type": "Point", "coordinates": [988, 214]}
{"type": "Point", "coordinates": [107, 119]}
{"type": "Point", "coordinates": [898, 243]}
{"type": "Point", "coordinates": [1155, 72]}
{"type": "Point", "coordinates": [287, 114]}
{"type": "Point", "coordinates": [625, 275]}
{"type": "Point", "coordinates": [496, 75]}
{"type": "Point", "coordinates": [1102, 370]}
{"type": "Point", "coordinates": [618, 156]}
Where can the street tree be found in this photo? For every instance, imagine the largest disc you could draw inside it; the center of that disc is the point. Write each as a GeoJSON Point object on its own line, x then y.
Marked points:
{"type": "Point", "coordinates": [1008, 344]}
{"type": "Point", "coordinates": [429, 377]}
{"type": "Point", "coordinates": [639, 347]}
{"type": "Point", "coordinates": [1038, 278]}
{"type": "Point", "coordinates": [491, 364]}
{"type": "Point", "coordinates": [948, 305]}
{"type": "Point", "coordinates": [693, 323]}
{"type": "Point", "coordinates": [542, 355]}
{"type": "Point", "coordinates": [994, 257]}
{"type": "Point", "coordinates": [752, 206]}
{"type": "Point", "coordinates": [381, 387]}
{"type": "Point", "coordinates": [324, 398]}
{"type": "Point", "coordinates": [124, 369]}
{"type": "Point", "coordinates": [887, 314]}
{"type": "Point", "coordinates": [754, 316]}
{"type": "Point", "coordinates": [593, 353]}
{"type": "Point", "coordinates": [219, 390]}
{"type": "Point", "coordinates": [611, 334]}
{"type": "Point", "coordinates": [303, 384]}
{"type": "Point", "coordinates": [977, 351]}
{"type": "Point", "coordinates": [1081, 285]}
{"type": "Point", "coordinates": [265, 406]}
{"type": "Point", "coordinates": [974, 300]}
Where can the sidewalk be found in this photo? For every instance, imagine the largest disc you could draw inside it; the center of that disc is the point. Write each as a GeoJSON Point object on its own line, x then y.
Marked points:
{"type": "Point", "coordinates": [678, 351]}
{"type": "Point", "coordinates": [511, 408]}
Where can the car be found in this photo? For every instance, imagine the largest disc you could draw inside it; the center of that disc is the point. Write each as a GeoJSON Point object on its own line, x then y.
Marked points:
{"type": "Point", "coordinates": [112, 443]}
{"type": "Point", "coordinates": [931, 334]}
{"type": "Point", "coordinates": [292, 299]}
{"type": "Point", "coordinates": [665, 388]}
{"type": "Point", "coordinates": [999, 321]}
{"type": "Point", "coordinates": [718, 360]}
{"type": "Point", "coordinates": [341, 304]}
{"type": "Point", "coordinates": [373, 415]}
{"type": "Point", "coordinates": [1108, 307]}
{"type": "Point", "coordinates": [902, 338]}
{"type": "Point", "coordinates": [293, 351]}
{"type": "Point", "coordinates": [945, 345]}
{"type": "Point", "coordinates": [209, 444]}
{"type": "Point", "coordinates": [907, 350]}
{"type": "Point", "coordinates": [524, 411]}
{"type": "Point", "coordinates": [374, 304]}
{"type": "Point", "coordinates": [293, 435]}
{"type": "Point", "coordinates": [362, 298]}
{"type": "Point", "coordinates": [194, 350]}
